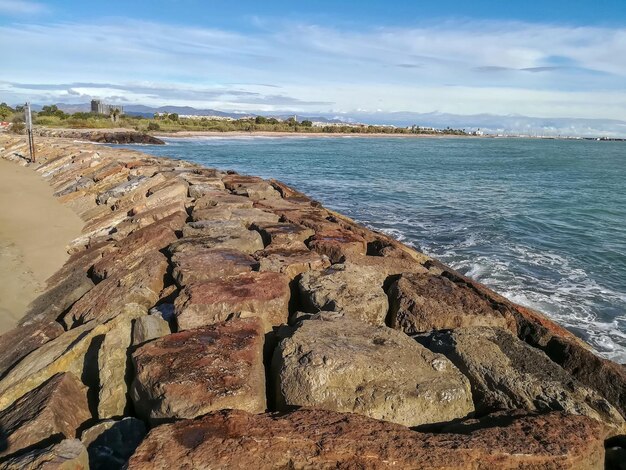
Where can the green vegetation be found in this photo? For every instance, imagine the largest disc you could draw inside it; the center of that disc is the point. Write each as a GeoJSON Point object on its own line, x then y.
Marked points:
{"type": "Point", "coordinates": [51, 116]}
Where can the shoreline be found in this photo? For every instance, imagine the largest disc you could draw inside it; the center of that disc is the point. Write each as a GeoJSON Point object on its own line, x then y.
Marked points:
{"type": "Point", "coordinates": [191, 289]}
{"type": "Point", "coordinates": [184, 134]}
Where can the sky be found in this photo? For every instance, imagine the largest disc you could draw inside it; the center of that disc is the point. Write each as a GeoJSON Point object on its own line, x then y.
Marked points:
{"type": "Point", "coordinates": [545, 59]}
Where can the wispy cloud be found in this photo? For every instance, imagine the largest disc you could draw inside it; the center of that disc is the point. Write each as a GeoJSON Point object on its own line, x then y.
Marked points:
{"type": "Point", "coordinates": [460, 67]}
{"type": "Point", "coordinates": [22, 7]}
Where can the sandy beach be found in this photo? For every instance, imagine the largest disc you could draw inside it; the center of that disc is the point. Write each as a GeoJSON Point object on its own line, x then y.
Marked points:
{"type": "Point", "coordinates": [34, 231]}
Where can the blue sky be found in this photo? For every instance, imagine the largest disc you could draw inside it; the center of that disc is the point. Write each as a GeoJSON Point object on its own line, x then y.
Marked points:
{"type": "Point", "coordinates": [536, 58]}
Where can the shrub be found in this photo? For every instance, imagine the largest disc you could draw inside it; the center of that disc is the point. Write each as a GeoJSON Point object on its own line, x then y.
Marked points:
{"type": "Point", "coordinates": [153, 126]}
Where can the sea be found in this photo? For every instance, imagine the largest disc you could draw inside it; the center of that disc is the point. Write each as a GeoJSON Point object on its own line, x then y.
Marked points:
{"type": "Point", "coordinates": [542, 222]}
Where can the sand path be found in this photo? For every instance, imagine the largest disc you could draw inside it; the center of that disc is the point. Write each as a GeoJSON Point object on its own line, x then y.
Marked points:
{"type": "Point", "coordinates": [34, 231]}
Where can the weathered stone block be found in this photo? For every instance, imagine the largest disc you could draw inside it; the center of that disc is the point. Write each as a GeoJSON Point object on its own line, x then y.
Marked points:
{"type": "Point", "coordinates": [345, 365]}
{"type": "Point", "coordinates": [55, 409]}
{"type": "Point", "coordinates": [190, 373]}
{"type": "Point", "coordinates": [264, 295]}
{"type": "Point", "coordinates": [355, 290]}
{"type": "Point", "coordinates": [204, 264]}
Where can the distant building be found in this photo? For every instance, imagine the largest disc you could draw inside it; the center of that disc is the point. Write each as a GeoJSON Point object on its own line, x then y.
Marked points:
{"type": "Point", "coordinates": [99, 107]}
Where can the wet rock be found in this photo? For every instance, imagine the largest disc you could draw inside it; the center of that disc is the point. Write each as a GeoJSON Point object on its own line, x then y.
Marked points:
{"type": "Point", "coordinates": [338, 244]}
{"type": "Point", "coordinates": [137, 284]}
{"type": "Point", "coordinates": [247, 241]}
{"type": "Point", "coordinates": [325, 439]}
{"type": "Point", "coordinates": [74, 351]}
{"type": "Point", "coordinates": [283, 235]}
{"type": "Point", "coordinates": [355, 290]}
{"type": "Point", "coordinates": [148, 328]}
{"type": "Point", "coordinates": [110, 443]}
{"type": "Point", "coordinates": [203, 264]}
{"type": "Point", "coordinates": [190, 373]}
{"type": "Point", "coordinates": [291, 262]}
{"type": "Point", "coordinates": [68, 454]}
{"type": "Point", "coordinates": [54, 410]}
{"type": "Point", "coordinates": [507, 373]}
{"type": "Point", "coordinates": [264, 295]}
{"type": "Point", "coordinates": [422, 302]}
{"type": "Point", "coordinates": [340, 364]}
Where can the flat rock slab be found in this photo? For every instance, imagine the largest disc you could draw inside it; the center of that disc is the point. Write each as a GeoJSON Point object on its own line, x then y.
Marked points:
{"type": "Point", "coordinates": [355, 290]}
{"type": "Point", "coordinates": [68, 454]}
{"type": "Point", "coordinates": [507, 373]}
{"type": "Point", "coordinates": [223, 199]}
{"type": "Point", "coordinates": [246, 241]}
{"type": "Point", "coordinates": [340, 364]}
{"type": "Point", "coordinates": [204, 264]}
{"type": "Point", "coordinates": [213, 228]}
{"type": "Point", "coordinates": [190, 373]}
{"type": "Point", "coordinates": [265, 295]}
{"type": "Point", "coordinates": [211, 213]}
{"type": "Point", "coordinates": [291, 262]}
{"type": "Point", "coordinates": [56, 408]}
{"type": "Point", "coordinates": [421, 302]}
{"type": "Point", "coordinates": [254, 216]}
{"type": "Point", "coordinates": [283, 234]}
{"type": "Point", "coordinates": [307, 439]}
{"type": "Point", "coordinates": [338, 244]}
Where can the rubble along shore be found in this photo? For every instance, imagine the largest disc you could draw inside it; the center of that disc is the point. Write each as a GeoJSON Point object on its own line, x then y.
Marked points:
{"type": "Point", "coordinates": [207, 319]}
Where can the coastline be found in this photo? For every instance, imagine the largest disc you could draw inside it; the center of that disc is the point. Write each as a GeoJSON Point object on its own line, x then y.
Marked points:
{"type": "Point", "coordinates": [34, 232]}
{"type": "Point", "coordinates": [184, 134]}
{"type": "Point", "coordinates": [204, 286]}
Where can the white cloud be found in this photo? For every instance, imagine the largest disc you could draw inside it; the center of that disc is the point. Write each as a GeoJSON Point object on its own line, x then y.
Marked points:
{"type": "Point", "coordinates": [462, 68]}
{"type": "Point", "coordinates": [21, 7]}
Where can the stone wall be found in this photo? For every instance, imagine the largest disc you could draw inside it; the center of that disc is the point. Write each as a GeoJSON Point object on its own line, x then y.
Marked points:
{"type": "Point", "coordinates": [207, 319]}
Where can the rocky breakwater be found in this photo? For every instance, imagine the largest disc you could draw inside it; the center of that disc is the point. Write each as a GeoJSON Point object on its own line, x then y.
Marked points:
{"type": "Point", "coordinates": [207, 319]}
{"type": "Point", "coordinates": [103, 136]}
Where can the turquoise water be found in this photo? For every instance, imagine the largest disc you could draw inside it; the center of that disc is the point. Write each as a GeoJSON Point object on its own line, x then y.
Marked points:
{"type": "Point", "coordinates": [542, 222]}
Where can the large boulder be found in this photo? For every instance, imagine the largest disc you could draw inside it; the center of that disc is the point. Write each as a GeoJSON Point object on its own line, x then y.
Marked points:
{"type": "Point", "coordinates": [253, 216]}
{"type": "Point", "coordinates": [223, 199]}
{"type": "Point", "coordinates": [422, 302]}
{"type": "Point", "coordinates": [214, 228]}
{"type": "Point", "coordinates": [305, 439]}
{"type": "Point", "coordinates": [190, 373]}
{"type": "Point", "coordinates": [264, 295]}
{"type": "Point", "coordinates": [338, 244]}
{"type": "Point", "coordinates": [204, 264]}
{"type": "Point", "coordinates": [69, 454]}
{"type": "Point", "coordinates": [54, 410]}
{"type": "Point", "coordinates": [340, 364]}
{"type": "Point", "coordinates": [355, 290]}
{"type": "Point", "coordinates": [507, 373]}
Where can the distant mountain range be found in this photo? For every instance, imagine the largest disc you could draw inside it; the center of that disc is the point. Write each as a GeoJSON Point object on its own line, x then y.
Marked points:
{"type": "Point", "coordinates": [489, 123]}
